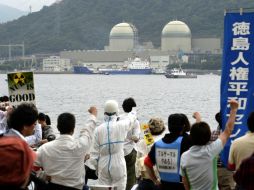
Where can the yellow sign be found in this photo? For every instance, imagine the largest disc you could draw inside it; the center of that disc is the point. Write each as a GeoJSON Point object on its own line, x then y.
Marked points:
{"type": "Point", "coordinates": [19, 78]}
{"type": "Point", "coordinates": [148, 137]}
{"type": "Point", "coordinates": [21, 88]}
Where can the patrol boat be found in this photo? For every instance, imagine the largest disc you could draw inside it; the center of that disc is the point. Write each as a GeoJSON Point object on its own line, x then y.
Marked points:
{"type": "Point", "coordinates": [179, 73]}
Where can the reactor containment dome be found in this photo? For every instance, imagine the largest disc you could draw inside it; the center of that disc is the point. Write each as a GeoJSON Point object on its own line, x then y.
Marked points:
{"type": "Point", "coordinates": [176, 35]}
{"type": "Point", "coordinates": [122, 37]}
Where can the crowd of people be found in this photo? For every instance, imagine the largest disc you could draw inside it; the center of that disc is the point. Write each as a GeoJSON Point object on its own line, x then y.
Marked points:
{"type": "Point", "coordinates": [115, 154]}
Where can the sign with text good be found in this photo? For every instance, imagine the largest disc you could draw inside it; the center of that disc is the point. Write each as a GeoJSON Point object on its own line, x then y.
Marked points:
{"type": "Point", "coordinates": [21, 88]}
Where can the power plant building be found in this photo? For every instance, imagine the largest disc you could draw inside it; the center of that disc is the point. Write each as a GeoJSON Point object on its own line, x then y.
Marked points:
{"type": "Point", "coordinates": [123, 37]}
{"type": "Point", "coordinates": [206, 45]}
{"type": "Point", "coordinates": [175, 36]}
{"type": "Point", "coordinates": [123, 43]}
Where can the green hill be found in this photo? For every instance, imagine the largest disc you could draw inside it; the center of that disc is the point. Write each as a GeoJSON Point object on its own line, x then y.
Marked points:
{"type": "Point", "coordinates": [85, 24]}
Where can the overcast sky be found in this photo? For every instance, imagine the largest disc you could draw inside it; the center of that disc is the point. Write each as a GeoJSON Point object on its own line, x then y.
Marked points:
{"type": "Point", "coordinates": [24, 4]}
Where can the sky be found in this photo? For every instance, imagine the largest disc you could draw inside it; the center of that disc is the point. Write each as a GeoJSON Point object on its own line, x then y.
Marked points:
{"type": "Point", "coordinates": [25, 4]}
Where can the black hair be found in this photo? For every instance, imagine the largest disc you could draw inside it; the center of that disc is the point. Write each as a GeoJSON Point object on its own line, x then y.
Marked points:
{"type": "Point", "coordinates": [187, 125]}
{"type": "Point", "coordinates": [24, 115]}
{"type": "Point", "coordinates": [128, 104]}
{"type": "Point", "coordinates": [218, 119]}
{"type": "Point", "coordinates": [42, 117]}
{"type": "Point", "coordinates": [4, 99]}
{"type": "Point", "coordinates": [176, 123]}
{"type": "Point", "coordinates": [250, 122]}
{"type": "Point", "coordinates": [48, 121]}
{"type": "Point", "coordinates": [200, 133]}
{"type": "Point", "coordinates": [66, 123]}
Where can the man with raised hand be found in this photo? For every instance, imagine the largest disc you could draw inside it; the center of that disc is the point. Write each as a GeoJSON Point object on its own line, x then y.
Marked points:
{"type": "Point", "coordinates": [198, 164]}
{"type": "Point", "coordinates": [63, 158]}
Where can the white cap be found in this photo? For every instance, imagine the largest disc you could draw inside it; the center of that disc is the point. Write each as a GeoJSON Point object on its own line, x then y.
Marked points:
{"type": "Point", "coordinates": [111, 106]}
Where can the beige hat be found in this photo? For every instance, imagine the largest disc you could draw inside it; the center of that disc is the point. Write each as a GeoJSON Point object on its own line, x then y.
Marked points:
{"type": "Point", "coordinates": [156, 126]}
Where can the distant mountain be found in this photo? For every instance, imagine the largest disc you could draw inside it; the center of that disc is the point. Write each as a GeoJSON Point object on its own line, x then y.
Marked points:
{"type": "Point", "coordinates": [8, 13]}
{"type": "Point", "coordinates": [86, 24]}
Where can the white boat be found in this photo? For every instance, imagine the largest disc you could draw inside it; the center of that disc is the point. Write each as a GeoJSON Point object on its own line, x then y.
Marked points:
{"type": "Point", "coordinates": [158, 71]}
{"type": "Point", "coordinates": [179, 73]}
{"type": "Point", "coordinates": [131, 67]}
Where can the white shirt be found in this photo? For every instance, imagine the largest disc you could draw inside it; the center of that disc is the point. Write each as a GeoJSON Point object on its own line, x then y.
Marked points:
{"type": "Point", "coordinates": [32, 139]}
{"type": "Point", "coordinates": [3, 121]}
{"type": "Point", "coordinates": [199, 165]}
{"type": "Point", "coordinates": [14, 132]}
{"type": "Point", "coordinates": [36, 137]}
{"type": "Point", "coordinates": [134, 132]}
{"type": "Point", "coordinates": [63, 158]}
{"type": "Point", "coordinates": [92, 120]}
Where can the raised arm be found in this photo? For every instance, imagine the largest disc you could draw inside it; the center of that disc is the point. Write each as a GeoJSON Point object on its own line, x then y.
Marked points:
{"type": "Point", "coordinates": [92, 162]}
{"type": "Point", "coordinates": [197, 116]}
{"type": "Point", "coordinates": [86, 136]}
{"type": "Point", "coordinates": [230, 123]}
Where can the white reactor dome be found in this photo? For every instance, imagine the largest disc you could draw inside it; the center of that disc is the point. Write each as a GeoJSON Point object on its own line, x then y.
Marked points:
{"type": "Point", "coordinates": [122, 30]}
{"type": "Point", "coordinates": [122, 37]}
{"type": "Point", "coordinates": [176, 29]}
{"type": "Point", "coordinates": [176, 35]}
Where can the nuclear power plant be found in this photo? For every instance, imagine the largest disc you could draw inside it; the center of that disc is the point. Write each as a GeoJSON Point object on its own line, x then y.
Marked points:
{"type": "Point", "coordinates": [176, 39]}
{"type": "Point", "coordinates": [123, 37]}
{"type": "Point", "coordinates": [175, 36]}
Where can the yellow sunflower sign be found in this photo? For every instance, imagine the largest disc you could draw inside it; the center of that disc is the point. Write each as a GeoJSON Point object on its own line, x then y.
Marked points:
{"type": "Point", "coordinates": [21, 88]}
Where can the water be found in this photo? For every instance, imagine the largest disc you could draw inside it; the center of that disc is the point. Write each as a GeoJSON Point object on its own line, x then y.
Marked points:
{"type": "Point", "coordinates": [155, 95]}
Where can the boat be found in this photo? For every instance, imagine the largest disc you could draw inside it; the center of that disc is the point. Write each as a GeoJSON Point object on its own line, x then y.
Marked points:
{"type": "Point", "coordinates": [179, 73]}
{"type": "Point", "coordinates": [134, 66]}
{"type": "Point", "coordinates": [158, 71]}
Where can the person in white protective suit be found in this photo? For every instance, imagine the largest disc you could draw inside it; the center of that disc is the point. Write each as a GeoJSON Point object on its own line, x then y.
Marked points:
{"type": "Point", "coordinates": [107, 153]}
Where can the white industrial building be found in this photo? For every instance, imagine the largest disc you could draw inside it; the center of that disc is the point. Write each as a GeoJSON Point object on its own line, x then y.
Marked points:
{"type": "Point", "coordinates": [56, 64]}
{"type": "Point", "coordinates": [206, 45]}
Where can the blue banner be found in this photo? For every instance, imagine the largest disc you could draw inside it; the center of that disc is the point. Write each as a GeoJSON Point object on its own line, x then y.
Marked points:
{"type": "Point", "coordinates": [237, 79]}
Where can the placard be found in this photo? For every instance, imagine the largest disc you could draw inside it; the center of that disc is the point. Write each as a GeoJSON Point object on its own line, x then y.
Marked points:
{"type": "Point", "coordinates": [21, 88]}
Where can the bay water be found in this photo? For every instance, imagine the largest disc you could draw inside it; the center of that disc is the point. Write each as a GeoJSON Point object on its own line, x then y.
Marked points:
{"type": "Point", "coordinates": [155, 95]}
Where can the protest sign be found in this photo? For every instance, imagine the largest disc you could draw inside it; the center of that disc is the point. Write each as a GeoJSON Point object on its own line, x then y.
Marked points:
{"type": "Point", "coordinates": [237, 80]}
{"type": "Point", "coordinates": [21, 88]}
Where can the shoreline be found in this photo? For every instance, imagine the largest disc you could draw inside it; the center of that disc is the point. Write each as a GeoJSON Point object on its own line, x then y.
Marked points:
{"type": "Point", "coordinates": [194, 71]}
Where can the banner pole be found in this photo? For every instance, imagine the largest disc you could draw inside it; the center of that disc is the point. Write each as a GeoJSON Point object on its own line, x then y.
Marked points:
{"type": "Point", "coordinates": [241, 11]}
{"type": "Point", "coordinates": [225, 12]}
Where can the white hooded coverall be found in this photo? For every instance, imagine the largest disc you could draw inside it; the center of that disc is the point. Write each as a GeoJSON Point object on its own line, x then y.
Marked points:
{"type": "Point", "coordinates": [108, 151]}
